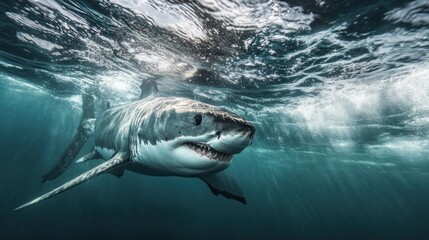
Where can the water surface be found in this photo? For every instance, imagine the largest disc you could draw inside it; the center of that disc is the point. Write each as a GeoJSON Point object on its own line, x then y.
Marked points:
{"type": "Point", "coordinates": [338, 91]}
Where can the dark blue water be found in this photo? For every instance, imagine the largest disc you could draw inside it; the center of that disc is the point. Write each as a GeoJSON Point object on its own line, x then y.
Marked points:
{"type": "Point", "coordinates": [338, 92]}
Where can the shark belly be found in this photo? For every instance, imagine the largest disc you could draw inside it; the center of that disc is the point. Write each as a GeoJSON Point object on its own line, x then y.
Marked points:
{"type": "Point", "coordinates": [157, 160]}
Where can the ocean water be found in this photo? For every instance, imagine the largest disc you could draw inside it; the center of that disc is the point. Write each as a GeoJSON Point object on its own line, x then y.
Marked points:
{"type": "Point", "coordinates": [338, 92]}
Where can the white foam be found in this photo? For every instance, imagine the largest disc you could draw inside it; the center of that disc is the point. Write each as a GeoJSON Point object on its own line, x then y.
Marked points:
{"type": "Point", "coordinates": [175, 17]}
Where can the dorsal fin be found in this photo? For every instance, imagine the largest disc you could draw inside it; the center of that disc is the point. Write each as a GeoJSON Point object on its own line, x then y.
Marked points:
{"type": "Point", "coordinates": [148, 88]}
{"type": "Point", "coordinates": [116, 160]}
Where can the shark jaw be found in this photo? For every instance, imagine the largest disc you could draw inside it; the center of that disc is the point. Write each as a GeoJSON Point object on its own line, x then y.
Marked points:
{"type": "Point", "coordinates": [189, 156]}
{"type": "Point", "coordinates": [209, 152]}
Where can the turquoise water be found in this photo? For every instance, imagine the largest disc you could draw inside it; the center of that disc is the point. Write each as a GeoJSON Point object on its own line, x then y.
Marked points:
{"type": "Point", "coordinates": [338, 92]}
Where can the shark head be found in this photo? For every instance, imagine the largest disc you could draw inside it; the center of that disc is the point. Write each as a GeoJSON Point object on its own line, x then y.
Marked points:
{"type": "Point", "coordinates": [187, 138]}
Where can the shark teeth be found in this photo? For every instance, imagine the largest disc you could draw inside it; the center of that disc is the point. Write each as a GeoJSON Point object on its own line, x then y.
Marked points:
{"type": "Point", "coordinates": [206, 150]}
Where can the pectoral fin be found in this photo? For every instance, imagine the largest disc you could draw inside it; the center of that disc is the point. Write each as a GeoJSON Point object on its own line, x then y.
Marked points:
{"type": "Point", "coordinates": [224, 185]}
{"type": "Point", "coordinates": [115, 161]}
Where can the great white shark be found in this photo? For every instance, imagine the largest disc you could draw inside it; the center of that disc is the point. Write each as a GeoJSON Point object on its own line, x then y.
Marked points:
{"type": "Point", "coordinates": [160, 136]}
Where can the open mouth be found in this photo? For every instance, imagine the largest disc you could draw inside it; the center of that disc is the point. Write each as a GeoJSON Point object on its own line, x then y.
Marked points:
{"type": "Point", "coordinates": [206, 150]}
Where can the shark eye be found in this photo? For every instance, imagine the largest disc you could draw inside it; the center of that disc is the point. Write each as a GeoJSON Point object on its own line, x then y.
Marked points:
{"type": "Point", "coordinates": [198, 119]}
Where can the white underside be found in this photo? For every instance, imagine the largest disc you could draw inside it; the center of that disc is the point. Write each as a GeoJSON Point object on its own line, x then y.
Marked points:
{"type": "Point", "coordinates": [106, 153]}
{"type": "Point", "coordinates": [172, 158]}
{"type": "Point", "coordinates": [175, 158]}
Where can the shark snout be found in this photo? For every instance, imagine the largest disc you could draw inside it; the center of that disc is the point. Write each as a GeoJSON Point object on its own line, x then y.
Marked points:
{"type": "Point", "coordinates": [233, 140]}
{"type": "Point", "coordinates": [248, 131]}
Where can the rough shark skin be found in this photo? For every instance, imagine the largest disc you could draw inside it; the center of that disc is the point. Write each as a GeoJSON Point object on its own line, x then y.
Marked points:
{"type": "Point", "coordinates": [156, 131]}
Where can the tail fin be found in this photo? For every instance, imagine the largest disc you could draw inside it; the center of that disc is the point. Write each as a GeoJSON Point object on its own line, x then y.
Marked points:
{"type": "Point", "coordinates": [80, 137]}
{"type": "Point", "coordinates": [148, 88]}
{"type": "Point", "coordinates": [87, 106]}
